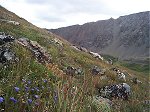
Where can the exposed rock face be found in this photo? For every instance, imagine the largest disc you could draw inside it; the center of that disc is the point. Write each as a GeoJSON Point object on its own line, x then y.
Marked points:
{"type": "Point", "coordinates": [126, 37]}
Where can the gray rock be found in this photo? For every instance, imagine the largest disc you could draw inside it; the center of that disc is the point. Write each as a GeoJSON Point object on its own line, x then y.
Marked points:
{"type": "Point", "coordinates": [70, 70]}
{"type": "Point", "coordinates": [122, 91]}
{"type": "Point", "coordinates": [39, 52]}
{"type": "Point", "coordinates": [83, 49]}
{"type": "Point", "coordinates": [79, 71]}
{"type": "Point", "coordinates": [73, 71]}
{"type": "Point", "coordinates": [102, 104]}
{"type": "Point", "coordinates": [135, 80]}
{"type": "Point", "coordinates": [98, 71]}
{"type": "Point", "coordinates": [6, 55]}
{"type": "Point", "coordinates": [5, 38]}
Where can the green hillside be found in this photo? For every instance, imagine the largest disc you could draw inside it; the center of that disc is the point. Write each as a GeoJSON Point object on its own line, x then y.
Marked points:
{"type": "Point", "coordinates": [30, 86]}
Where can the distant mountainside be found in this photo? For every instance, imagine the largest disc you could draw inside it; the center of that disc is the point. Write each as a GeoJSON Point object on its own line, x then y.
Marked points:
{"type": "Point", "coordinates": [126, 37]}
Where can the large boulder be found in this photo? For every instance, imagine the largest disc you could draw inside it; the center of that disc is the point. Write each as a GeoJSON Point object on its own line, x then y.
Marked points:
{"type": "Point", "coordinates": [122, 91]}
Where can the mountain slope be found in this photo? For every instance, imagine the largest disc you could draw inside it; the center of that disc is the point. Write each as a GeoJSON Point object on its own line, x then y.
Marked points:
{"type": "Point", "coordinates": [32, 83]}
{"type": "Point", "coordinates": [126, 37]}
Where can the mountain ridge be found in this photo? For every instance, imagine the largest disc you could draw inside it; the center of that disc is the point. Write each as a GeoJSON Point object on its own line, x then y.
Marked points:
{"type": "Point", "coordinates": [125, 37]}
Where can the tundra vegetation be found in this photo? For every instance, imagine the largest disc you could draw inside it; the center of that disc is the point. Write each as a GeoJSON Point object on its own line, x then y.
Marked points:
{"type": "Point", "coordinates": [27, 85]}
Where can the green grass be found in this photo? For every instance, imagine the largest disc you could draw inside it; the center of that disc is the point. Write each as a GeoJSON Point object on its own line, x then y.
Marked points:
{"type": "Point", "coordinates": [142, 68]}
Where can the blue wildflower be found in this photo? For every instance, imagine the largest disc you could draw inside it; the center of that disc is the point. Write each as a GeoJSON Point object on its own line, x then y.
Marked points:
{"type": "Point", "coordinates": [29, 101]}
{"type": "Point", "coordinates": [36, 96]}
{"type": "Point", "coordinates": [16, 89]}
{"type": "Point", "coordinates": [13, 99]}
{"type": "Point", "coordinates": [1, 99]}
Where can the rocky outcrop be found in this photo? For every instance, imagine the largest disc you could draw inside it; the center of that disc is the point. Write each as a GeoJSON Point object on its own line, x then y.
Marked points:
{"type": "Point", "coordinates": [38, 51]}
{"type": "Point", "coordinates": [122, 91]}
{"type": "Point", "coordinates": [5, 38]}
{"type": "Point", "coordinates": [126, 37]}
{"type": "Point", "coordinates": [6, 53]}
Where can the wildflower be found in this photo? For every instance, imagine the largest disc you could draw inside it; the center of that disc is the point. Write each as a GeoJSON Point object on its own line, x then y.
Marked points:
{"type": "Point", "coordinates": [29, 82]}
{"type": "Point", "coordinates": [42, 87]}
{"type": "Point", "coordinates": [36, 88]}
{"type": "Point", "coordinates": [23, 80]}
{"type": "Point", "coordinates": [16, 89]}
{"type": "Point", "coordinates": [26, 88]}
{"type": "Point", "coordinates": [44, 80]}
{"type": "Point", "coordinates": [1, 99]}
{"type": "Point", "coordinates": [13, 99]}
{"type": "Point", "coordinates": [29, 101]}
{"type": "Point", "coordinates": [55, 99]}
{"type": "Point", "coordinates": [36, 96]}
{"type": "Point", "coordinates": [37, 103]}
{"type": "Point", "coordinates": [55, 96]}
{"type": "Point", "coordinates": [32, 89]}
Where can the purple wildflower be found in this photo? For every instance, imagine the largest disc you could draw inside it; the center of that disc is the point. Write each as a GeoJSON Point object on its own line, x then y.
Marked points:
{"type": "Point", "coordinates": [42, 87]}
{"type": "Point", "coordinates": [26, 88]}
{"type": "Point", "coordinates": [55, 99]}
{"type": "Point", "coordinates": [23, 80]}
{"type": "Point", "coordinates": [36, 88]}
{"type": "Point", "coordinates": [29, 82]}
{"type": "Point", "coordinates": [32, 89]}
{"type": "Point", "coordinates": [1, 99]}
{"type": "Point", "coordinates": [44, 80]}
{"type": "Point", "coordinates": [37, 103]}
{"type": "Point", "coordinates": [55, 96]}
{"type": "Point", "coordinates": [36, 96]}
{"type": "Point", "coordinates": [13, 99]}
{"type": "Point", "coordinates": [29, 101]}
{"type": "Point", "coordinates": [16, 89]}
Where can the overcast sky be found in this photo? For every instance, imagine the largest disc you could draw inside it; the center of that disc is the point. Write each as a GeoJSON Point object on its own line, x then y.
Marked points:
{"type": "Point", "coordinates": [60, 13]}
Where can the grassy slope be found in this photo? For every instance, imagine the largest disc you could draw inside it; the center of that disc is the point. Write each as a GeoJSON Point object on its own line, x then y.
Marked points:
{"type": "Point", "coordinates": [61, 57]}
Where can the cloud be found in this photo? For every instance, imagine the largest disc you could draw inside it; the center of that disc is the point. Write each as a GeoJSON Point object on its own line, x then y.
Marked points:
{"type": "Point", "coordinates": [50, 18]}
{"type": "Point", "coordinates": [60, 13]}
